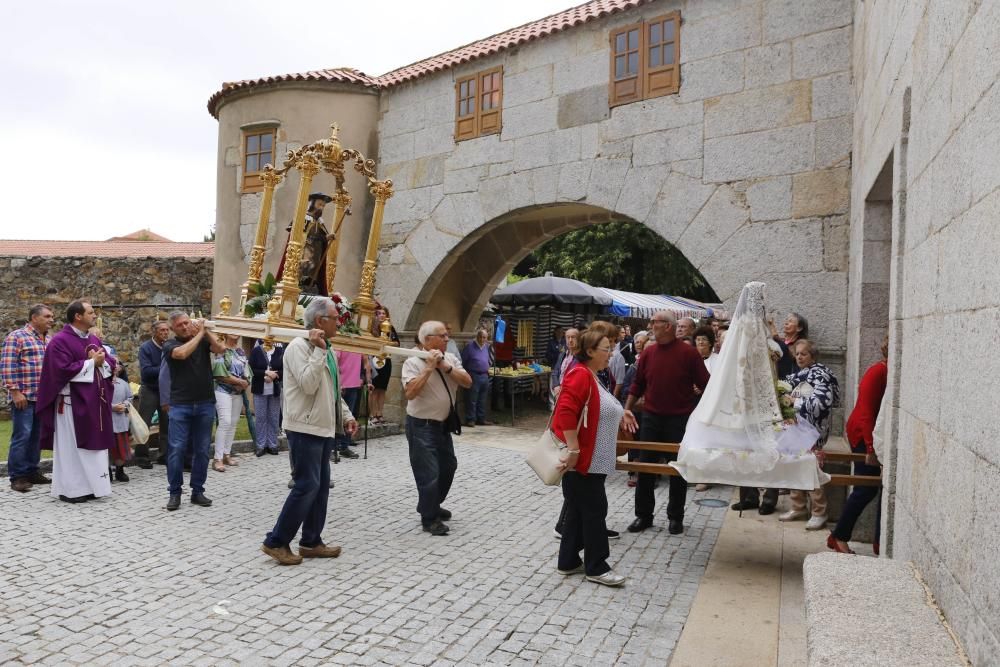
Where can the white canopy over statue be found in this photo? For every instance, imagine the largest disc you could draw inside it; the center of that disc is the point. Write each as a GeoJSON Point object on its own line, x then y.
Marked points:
{"type": "Point", "coordinates": [736, 435]}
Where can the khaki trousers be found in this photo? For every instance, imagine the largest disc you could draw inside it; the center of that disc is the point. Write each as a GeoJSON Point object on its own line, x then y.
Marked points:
{"type": "Point", "coordinates": [818, 497]}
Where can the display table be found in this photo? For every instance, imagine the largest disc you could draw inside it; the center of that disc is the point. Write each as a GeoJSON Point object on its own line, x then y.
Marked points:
{"type": "Point", "coordinates": [505, 387]}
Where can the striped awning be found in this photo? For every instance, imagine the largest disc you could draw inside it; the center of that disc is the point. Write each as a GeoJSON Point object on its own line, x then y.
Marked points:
{"type": "Point", "coordinates": [633, 304]}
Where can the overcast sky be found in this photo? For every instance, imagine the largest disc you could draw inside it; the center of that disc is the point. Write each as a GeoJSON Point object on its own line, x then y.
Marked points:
{"type": "Point", "coordinates": [103, 120]}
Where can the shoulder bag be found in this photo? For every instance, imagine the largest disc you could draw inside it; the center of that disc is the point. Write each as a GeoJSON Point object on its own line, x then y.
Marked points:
{"type": "Point", "coordinates": [452, 424]}
{"type": "Point", "coordinates": [137, 427]}
{"type": "Point", "coordinates": [546, 453]}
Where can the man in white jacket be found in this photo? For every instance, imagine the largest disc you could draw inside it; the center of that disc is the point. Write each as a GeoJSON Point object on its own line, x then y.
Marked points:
{"type": "Point", "coordinates": [313, 412]}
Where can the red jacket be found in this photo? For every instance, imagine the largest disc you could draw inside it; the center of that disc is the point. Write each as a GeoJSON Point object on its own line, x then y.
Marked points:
{"type": "Point", "coordinates": [577, 385]}
{"type": "Point", "coordinates": [861, 423]}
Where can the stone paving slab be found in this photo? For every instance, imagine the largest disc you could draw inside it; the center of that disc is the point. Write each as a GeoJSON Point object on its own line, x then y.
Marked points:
{"type": "Point", "coordinates": [120, 580]}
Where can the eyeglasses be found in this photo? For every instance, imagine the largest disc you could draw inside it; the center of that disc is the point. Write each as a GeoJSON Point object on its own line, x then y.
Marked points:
{"type": "Point", "coordinates": [604, 349]}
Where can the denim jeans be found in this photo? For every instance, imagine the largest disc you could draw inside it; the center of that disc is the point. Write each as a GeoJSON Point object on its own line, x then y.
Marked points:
{"type": "Point", "coordinates": [189, 422]}
{"type": "Point", "coordinates": [476, 397]}
{"type": "Point", "coordinates": [23, 457]}
{"type": "Point", "coordinates": [351, 396]}
{"type": "Point", "coordinates": [306, 502]}
{"type": "Point", "coordinates": [432, 457]}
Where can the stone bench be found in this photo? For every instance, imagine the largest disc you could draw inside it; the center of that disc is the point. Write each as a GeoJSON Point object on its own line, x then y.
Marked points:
{"type": "Point", "coordinates": [873, 611]}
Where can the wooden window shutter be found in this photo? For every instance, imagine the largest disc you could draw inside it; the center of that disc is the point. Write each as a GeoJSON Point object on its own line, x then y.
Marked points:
{"type": "Point", "coordinates": [626, 63]}
{"type": "Point", "coordinates": [466, 126]}
{"type": "Point", "coordinates": [490, 101]}
{"type": "Point", "coordinates": [661, 55]}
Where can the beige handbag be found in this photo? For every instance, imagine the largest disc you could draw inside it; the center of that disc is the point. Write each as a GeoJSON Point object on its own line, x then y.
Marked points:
{"type": "Point", "coordinates": [546, 453]}
{"type": "Point", "coordinates": [137, 427]}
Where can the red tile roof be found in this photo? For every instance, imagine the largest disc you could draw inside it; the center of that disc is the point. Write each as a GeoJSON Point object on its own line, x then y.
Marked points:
{"type": "Point", "coordinates": [141, 235]}
{"type": "Point", "coordinates": [338, 75]}
{"type": "Point", "coordinates": [105, 249]}
{"type": "Point", "coordinates": [569, 18]}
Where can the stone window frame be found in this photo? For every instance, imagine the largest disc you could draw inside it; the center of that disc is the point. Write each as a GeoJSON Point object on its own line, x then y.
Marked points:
{"type": "Point", "coordinates": [472, 89]}
{"type": "Point", "coordinates": [251, 181]}
{"type": "Point", "coordinates": [647, 81]}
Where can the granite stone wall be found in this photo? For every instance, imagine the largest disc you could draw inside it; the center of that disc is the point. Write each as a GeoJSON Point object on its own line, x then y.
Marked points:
{"type": "Point", "coordinates": [927, 130]}
{"type": "Point", "coordinates": [136, 290]}
{"type": "Point", "coordinates": [747, 170]}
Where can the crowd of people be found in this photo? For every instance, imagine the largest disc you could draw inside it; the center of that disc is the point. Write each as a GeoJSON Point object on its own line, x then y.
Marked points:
{"type": "Point", "coordinates": [67, 394]}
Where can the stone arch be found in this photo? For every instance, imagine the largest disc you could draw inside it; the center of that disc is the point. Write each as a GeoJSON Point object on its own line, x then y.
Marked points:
{"type": "Point", "coordinates": [460, 285]}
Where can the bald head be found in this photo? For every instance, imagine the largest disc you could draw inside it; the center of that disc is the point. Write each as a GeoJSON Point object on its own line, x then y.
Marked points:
{"type": "Point", "coordinates": [663, 326]}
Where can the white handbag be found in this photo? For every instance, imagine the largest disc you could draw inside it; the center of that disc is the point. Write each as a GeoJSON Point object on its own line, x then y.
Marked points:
{"type": "Point", "coordinates": [546, 453]}
{"type": "Point", "coordinates": [137, 426]}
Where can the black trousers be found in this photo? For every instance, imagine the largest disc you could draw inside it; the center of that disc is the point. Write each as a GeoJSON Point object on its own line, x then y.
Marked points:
{"type": "Point", "coordinates": [752, 494]}
{"type": "Point", "coordinates": [586, 507]}
{"type": "Point", "coordinates": [149, 402]}
{"type": "Point", "coordinates": [660, 428]}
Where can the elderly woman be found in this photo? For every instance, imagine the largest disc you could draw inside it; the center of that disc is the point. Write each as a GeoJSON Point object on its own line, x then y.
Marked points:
{"type": "Point", "coordinates": [381, 380]}
{"type": "Point", "coordinates": [265, 386]}
{"type": "Point", "coordinates": [587, 418]}
{"type": "Point", "coordinates": [794, 329]}
{"type": "Point", "coordinates": [814, 405]}
{"type": "Point", "coordinates": [232, 377]}
{"type": "Point", "coordinates": [704, 342]}
{"type": "Point", "coordinates": [860, 434]}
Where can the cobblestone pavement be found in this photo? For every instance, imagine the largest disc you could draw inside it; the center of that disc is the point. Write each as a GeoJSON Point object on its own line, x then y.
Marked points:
{"type": "Point", "coordinates": [122, 581]}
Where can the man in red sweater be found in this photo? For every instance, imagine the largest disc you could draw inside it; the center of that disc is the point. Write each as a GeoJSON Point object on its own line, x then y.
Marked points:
{"type": "Point", "coordinates": [666, 375]}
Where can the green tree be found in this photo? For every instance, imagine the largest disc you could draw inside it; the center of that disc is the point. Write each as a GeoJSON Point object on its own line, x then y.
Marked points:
{"type": "Point", "coordinates": [624, 256]}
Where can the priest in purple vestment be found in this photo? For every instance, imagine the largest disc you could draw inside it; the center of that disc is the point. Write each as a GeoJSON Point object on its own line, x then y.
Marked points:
{"type": "Point", "coordinates": [74, 408]}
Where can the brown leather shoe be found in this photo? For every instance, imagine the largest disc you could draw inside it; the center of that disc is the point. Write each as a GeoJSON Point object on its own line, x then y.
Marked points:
{"type": "Point", "coordinates": [319, 551]}
{"type": "Point", "coordinates": [21, 484]}
{"type": "Point", "coordinates": [39, 478]}
{"type": "Point", "coordinates": [283, 555]}
{"type": "Point", "coordinates": [229, 461]}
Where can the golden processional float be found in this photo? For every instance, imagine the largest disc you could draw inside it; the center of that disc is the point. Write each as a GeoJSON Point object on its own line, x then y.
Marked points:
{"type": "Point", "coordinates": [280, 324]}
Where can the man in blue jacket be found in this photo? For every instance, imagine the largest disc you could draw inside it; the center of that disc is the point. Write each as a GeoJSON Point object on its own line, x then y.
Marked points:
{"type": "Point", "coordinates": [150, 356]}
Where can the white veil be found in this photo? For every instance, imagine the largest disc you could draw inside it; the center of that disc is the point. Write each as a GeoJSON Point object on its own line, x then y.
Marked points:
{"type": "Point", "coordinates": [734, 436]}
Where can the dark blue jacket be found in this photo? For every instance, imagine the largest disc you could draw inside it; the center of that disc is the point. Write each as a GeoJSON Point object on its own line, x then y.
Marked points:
{"type": "Point", "coordinates": [258, 364]}
{"type": "Point", "coordinates": [150, 357]}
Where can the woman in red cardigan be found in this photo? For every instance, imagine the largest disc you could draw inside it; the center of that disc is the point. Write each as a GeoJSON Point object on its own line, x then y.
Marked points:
{"type": "Point", "coordinates": [586, 418]}
{"type": "Point", "coordinates": [860, 429]}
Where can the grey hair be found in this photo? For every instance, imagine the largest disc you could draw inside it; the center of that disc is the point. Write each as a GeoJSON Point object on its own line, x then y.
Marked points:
{"type": "Point", "coordinates": [811, 346]}
{"type": "Point", "coordinates": [667, 315]}
{"type": "Point", "coordinates": [38, 309]}
{"type": "Point", "coordinates": [176, 315]}
{"type": "Point", "coordinates": [428, 329]}
{"type": "Point", "coordinates": [318, 307]}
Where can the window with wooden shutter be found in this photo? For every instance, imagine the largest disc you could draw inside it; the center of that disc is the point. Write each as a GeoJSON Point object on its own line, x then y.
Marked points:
{"type": "Point", "coordinates": [625, 50]}
{"type": "Point", "coordinates": [465, 111]}
{"type": "Point", "coordinates": [662, 53]}
{"type": "Point", "coordinates": [478, 104]}
{"type": "Point", "coordinates": [258, 151]}
{"type": "Point", "coordinates": [645, 60]}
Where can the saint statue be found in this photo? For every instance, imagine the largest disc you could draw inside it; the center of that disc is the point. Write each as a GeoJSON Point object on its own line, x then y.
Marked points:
{"type": "Point", "coordinates": [312, 269]}
{"type": "Point", "coordinates": [736, 435]}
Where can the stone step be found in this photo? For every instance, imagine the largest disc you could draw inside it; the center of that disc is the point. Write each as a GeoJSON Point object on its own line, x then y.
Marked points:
{"type": "Point", "coordinates": [873, 611]}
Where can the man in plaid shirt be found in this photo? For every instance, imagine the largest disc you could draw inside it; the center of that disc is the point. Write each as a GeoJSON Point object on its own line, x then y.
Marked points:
{"type": "Point", "coordinates": [20, 368]}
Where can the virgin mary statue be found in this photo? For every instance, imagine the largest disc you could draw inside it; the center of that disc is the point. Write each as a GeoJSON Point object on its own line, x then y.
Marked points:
{"type": "Point", "coordinates": [737, 435]}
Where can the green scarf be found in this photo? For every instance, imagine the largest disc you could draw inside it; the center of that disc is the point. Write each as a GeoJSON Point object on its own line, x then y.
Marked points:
{"type": "Point", "coordinates": [331, 365]}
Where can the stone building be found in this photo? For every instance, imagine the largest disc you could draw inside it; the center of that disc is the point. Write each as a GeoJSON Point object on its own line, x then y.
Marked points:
{"type": "Point", "coordinates": [135, 281]}
{"type": "Point", "coordinates": [843, 151]}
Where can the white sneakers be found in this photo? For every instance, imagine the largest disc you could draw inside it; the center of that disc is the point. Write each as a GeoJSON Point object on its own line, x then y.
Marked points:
{"type": "Point", "coordinates": [816, 522]}
{"type": "Point", "coordinates": [793, 515]}
{"type": "Point", "coordinates": [609, 578]}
